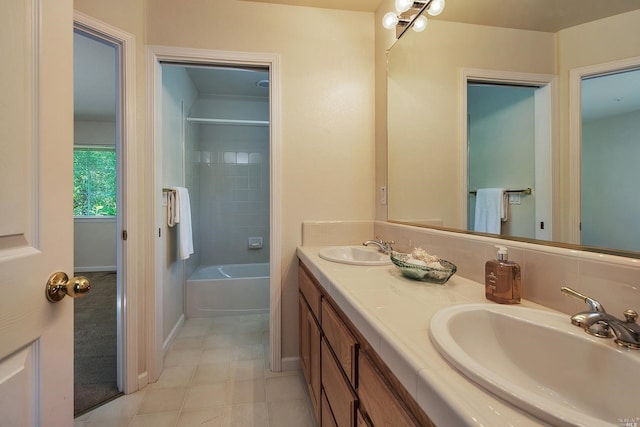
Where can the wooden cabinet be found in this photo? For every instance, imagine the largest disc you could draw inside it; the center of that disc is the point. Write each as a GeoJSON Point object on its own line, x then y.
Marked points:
{"type": "Point", "coordinates": [310, 353]}
{"type": "Point", "coordinates": [340, 396]}
{"type": "Point", "coordinates": [327, 415]}
{"type": "Point", "coordinates": [378, 399]}
{"type": "Point", "coordinates": [348, 382]}
{"type": "Point", "coordinates": [341, 341]}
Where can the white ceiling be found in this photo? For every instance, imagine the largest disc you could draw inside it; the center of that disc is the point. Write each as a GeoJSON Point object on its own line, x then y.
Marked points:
{"type": "Point", "coordinates": [610, 95]}
{"type": "Point", "coordinates": [95, 61]}
{"type": "Point", "coordinates": [94, 79]}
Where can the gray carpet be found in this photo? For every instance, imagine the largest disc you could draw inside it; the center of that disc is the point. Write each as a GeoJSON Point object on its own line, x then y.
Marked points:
{"type": "Point", "coordinates": [95, 345]}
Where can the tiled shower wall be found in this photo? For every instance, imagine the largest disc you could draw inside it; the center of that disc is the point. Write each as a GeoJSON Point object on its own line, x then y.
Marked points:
{"type": "Point", "coordinates": [233, 179]}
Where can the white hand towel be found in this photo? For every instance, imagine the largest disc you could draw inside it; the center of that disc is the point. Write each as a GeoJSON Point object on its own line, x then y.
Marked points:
{"type": "Point", "coordinates": [490, 210]}
{"type": "Point", "coordinates": [182, 217]}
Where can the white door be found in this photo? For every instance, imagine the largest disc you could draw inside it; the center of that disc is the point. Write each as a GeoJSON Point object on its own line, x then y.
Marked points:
{"type": "Point", "coordinates": [36, 234]}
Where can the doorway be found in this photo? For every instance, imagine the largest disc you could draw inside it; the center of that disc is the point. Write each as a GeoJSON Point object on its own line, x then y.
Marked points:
{"type": "Point", "coordinates": [97, 209]}
{"type": "Point", "coordinates": [610, 148]}
{"type": "Point", "coordinates": [507, 133]}
{"type": "Point", "coordinates": [161, 320]}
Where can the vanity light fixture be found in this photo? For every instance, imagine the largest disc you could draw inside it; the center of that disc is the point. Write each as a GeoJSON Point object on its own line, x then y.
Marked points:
{"type": "Point", "coordinates": [409, 13]}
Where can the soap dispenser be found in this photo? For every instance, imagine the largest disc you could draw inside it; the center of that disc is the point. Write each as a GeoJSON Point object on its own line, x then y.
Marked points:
{"type": "Point", "coordinates": [502, 279]}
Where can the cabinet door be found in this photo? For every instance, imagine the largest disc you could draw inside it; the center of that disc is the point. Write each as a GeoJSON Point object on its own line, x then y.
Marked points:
{"type": "Point", "coordinates": [314, 360]}
{"type": "Point", "coordinates": [303, 312]}
{"type": "Point", "coordinates": [310, 353]}
{"type": "Point", "coordinates": [377, 399]}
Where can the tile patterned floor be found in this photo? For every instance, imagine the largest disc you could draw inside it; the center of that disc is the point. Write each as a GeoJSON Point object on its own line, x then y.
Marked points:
{"type": "Point", "coordinates": [216, 375]}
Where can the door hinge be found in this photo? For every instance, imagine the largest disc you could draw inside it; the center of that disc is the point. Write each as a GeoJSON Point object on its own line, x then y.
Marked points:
{"type": "Point", "coordinates": [124, 235]}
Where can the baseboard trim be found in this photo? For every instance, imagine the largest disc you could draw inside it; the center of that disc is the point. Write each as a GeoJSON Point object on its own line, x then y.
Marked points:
{"type": "Point", "coordinates": [143, 380]}
{"type": "Point", "coordinates": [172, 335]}
{"type": "Point", "coordinates": [290, 363]}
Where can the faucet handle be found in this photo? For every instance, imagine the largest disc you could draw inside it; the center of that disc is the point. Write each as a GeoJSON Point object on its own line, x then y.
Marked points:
{"type": "Point", "coordinates": [595, 305]}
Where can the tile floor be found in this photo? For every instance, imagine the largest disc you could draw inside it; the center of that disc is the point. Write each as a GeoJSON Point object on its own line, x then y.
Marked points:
{"type": "Point", "coordinates": [215, 374]}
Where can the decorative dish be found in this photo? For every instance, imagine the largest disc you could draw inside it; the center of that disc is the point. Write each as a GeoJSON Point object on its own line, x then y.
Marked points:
{"type": "Point", "coordinates": [419, 265]}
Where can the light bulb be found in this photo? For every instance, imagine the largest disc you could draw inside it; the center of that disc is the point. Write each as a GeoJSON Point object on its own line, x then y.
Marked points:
{"type": "Point", "coordinates": [436, 7]}
{"type": "Point", "coordinates": [403, 5]}
{"type": "Point", "coordinates": [420, 23]}
{"type": "Point", "coordinates": [389, 20]}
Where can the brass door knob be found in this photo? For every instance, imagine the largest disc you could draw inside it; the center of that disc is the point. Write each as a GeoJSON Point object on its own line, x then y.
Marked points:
{"type": "Point", "coordinates": [60, 285]}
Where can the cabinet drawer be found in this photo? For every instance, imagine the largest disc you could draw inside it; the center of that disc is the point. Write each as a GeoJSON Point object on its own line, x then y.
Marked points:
{"type": "Point", "coordinates": [340, 396]}
{"type": "Point", "coordinates": [310, 291]}
{"type": "Point", "coordinates": [342, 342]}
{"type": "Point", "coordinates": [377, 400]}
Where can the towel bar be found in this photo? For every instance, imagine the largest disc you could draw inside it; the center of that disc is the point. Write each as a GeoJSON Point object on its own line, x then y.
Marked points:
{"type": "Point", "coordinates": [525, 191]}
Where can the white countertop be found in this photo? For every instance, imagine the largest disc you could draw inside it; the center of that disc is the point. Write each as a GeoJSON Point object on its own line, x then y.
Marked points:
{"type": "Point", "coordinates": [393, 314]}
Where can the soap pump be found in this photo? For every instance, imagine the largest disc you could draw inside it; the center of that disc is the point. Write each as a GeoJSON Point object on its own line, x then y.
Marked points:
{"type": "Point", "coordinates": [502, 279]}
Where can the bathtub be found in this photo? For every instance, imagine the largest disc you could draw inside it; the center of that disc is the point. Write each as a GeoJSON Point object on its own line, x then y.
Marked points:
{"type": "Point", "coordinates": [228, 290]}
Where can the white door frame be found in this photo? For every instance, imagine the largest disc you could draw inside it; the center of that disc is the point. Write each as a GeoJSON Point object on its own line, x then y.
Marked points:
{"type": "Point", "coordinates": [576, 75]}
{"type": "Point", "coordinates": [545, 137]}
{"type": "Point", "coordinates": [156, 55]}
{"type": "Point", "coordinates": [127, 259]}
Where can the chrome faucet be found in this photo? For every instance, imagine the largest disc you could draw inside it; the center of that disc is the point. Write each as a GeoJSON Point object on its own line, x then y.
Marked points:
{"type": "Point", "coordinates": [383, 246]}
{"type": "Point", "coordinates": [598, 322]}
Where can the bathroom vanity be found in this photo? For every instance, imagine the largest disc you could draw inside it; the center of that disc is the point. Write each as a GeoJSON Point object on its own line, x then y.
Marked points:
{"type": "Point", "coordinates": [367, 357]}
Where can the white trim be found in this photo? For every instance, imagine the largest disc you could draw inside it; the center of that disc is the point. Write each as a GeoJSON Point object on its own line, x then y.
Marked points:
{"type": "Point", "coordinates": [156, 54]}
{"type": "Point", "coordinates": [172, 335]}
{"type": "Point", "coordinates": [94, 219]}
{"type": "Point", "coordinates": [575, 133]}
{"type": "Point", "coordinates": [128, 253]}
{"type": "Point", "coordinates": [546, 136]}
{"type": "Point", "coordinates": [95, 269]}
{"type": "Point", "coordinates": [291, 364]}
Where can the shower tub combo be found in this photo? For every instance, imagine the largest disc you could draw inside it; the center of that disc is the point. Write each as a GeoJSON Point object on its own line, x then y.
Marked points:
{"type": "Point", "coordinates": [228, 290]}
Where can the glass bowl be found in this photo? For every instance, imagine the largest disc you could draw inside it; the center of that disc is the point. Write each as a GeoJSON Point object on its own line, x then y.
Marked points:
{"type": "Point", "coordinates": [423, 272]}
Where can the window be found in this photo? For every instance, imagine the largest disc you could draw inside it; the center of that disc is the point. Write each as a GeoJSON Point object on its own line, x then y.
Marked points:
{"type": "Point", "coordinates": [94, 181]}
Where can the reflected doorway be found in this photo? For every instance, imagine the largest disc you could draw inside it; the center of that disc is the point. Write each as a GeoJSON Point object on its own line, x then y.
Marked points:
{"type": "Point", "coordinates": [507, 132]}
{"type": "Point", "coordinates": [610, 149]}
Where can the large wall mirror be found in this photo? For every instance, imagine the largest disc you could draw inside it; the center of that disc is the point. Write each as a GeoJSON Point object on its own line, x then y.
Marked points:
{"type": "Point", "coordinates": [492, 95]}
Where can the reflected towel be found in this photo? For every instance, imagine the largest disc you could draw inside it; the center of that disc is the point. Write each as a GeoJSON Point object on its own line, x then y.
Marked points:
{"type": "Point", "coordinates": [182, 217]}
{"type": "Point", "coordinates": [491, 210]}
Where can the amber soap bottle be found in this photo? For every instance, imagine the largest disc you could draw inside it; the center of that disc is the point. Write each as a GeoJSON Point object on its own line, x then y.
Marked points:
{"type": "Point", "coordinates": [502, 279]}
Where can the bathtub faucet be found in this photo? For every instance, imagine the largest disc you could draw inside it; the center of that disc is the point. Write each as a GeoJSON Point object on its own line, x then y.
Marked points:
{"type": "Point", "coordinates": [383, 246]}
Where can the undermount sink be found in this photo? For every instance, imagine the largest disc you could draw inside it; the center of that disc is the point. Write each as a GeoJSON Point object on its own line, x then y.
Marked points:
{"type": "Point", "coordinates": [356, 255]}
{"type": "Point", "coordinates": [539, 362]}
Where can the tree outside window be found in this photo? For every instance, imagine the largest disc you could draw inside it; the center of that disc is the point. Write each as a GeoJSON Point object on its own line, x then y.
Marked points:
{"type": "Point", "coordinates": [94, 181]}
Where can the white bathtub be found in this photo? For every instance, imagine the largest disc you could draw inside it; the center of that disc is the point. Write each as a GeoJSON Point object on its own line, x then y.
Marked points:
{"type": "Point", "coordinates": [227, 290]}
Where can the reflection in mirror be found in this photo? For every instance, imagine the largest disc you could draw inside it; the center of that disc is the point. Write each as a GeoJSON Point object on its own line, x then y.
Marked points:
{"type": "Point", "coordinates": [428, 182]}
{"type": "Point", "coordinates": [501, 147]}
{"type": "Point", "coordinates": [610, 201]}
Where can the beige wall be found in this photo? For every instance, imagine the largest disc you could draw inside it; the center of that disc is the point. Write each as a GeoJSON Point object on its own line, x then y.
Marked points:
{"type": "Point", "coordinates": [327, 113]}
